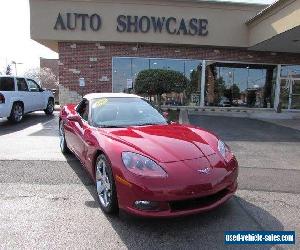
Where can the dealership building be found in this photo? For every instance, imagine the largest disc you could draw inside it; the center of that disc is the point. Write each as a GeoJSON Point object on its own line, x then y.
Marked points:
{"type": "Point", "coordinates": [234, 54]}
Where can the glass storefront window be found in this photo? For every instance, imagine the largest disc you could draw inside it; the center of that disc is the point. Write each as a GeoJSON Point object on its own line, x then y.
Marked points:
{"type": "Point", "coordinates": [169, 64]}
{"type": "Point", "coordinates": [121, 72]}
{"type": "Point", "coordinates": [290, 87]}
{"type": "Point", "coordinates": [240, 85]}
{"type": "Point", "coordinates": [226, 84]}
{"type": "Point", "coordinates": [125, 69]}
{"type": "Point", "coordinates": [139, 64]}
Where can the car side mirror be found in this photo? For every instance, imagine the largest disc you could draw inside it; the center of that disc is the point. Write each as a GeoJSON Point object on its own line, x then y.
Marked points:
{"type": "Point", "coordinates": [75, 118]}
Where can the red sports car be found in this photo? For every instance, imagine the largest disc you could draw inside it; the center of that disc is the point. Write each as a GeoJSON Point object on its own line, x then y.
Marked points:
{"type": "Point", "coordinates": [143, 164]}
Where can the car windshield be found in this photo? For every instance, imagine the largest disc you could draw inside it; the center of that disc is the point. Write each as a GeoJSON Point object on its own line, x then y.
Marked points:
{"type": "Point", "coordinates": [124, 112]}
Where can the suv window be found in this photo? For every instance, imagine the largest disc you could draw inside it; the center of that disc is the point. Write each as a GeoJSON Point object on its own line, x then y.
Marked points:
{"type": "Point", "coordinates": [7, 84]}
{"type": "Point", "coordinates": [83, 109]}
{"type": "Point", "coordinates": [22, 85]}
{"type": "Point", "coordinates": [33, 86]}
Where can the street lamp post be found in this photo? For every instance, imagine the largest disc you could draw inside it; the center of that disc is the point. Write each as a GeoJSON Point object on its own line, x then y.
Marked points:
{"type": "Point", "coordinates": [15, 63]}
{"type": "Point", "coordinates": [248, 77]}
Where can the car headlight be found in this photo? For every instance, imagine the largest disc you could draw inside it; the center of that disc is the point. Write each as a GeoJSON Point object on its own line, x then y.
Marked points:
{"type": "Point", "coordinates": [224, 150]}
{"type": "Point", "coordinates": [141, 165]}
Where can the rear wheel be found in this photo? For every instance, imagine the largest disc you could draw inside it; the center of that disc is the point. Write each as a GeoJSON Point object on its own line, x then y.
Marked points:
{"type": "Point", "coordinates": [105, 186]}
{"type": "Point", "coordinates": [17, 113]}
{"type": "Point", "coordinates": [62, 140]}
{"type": "Point", "coordinates": [50, 107]}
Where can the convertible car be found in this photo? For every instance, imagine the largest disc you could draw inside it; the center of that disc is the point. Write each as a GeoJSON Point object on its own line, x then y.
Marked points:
{"type": "Point", "coordinates": [144, 164]}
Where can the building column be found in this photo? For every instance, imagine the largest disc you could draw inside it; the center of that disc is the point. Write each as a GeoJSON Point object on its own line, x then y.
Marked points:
{"type": "Point", "coordinates": [202, 85]}
{"type": "Point", "coordinates": [277, 88]}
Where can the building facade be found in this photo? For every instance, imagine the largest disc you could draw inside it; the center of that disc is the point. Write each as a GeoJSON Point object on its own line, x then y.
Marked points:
{"type": "Point", "coordinates": [241, 55]}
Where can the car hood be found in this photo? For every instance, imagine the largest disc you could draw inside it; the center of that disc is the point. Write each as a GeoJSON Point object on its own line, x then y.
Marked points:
{"type": "Point", "coordinates": [165, 143]}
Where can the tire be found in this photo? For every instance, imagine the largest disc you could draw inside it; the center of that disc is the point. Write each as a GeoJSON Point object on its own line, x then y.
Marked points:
{"type": "Point", "coordinates": [62, 140]}
{"type": "Point", "coordinates": [50, 107]}
{"type": "Point", "coordinates": [105, 186]}
{"type": "Point", "coordinates": [17, 113]}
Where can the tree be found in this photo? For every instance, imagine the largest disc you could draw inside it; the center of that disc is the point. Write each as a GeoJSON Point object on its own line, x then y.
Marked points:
{"type": "Point", "coordinates": [219, 90]}
{"type": "Point", "coordinates": [233, 92]}
{"type": "Point", "coordinates": [45, 77]}
{"type": "Point", "coordinates": [194, 86]}
{"type": "Point", "coordinates": [8, 70]}
{"type": "Point", "coordinates": [160, 81]}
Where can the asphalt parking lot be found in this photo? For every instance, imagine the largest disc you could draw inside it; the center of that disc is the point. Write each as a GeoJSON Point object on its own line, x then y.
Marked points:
{"type": "Point", "coordinates": [48, 201]}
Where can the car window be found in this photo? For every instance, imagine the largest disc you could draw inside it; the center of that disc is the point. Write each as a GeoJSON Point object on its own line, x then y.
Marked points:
{"type": "Point", "coordinates": [22, 85]}
{"type": "Point", "coordinates": [83, 110]}
{"type": "Point", "coordinates": [7, 84]}
{"type": "Point", "coordinates": [33, 86]}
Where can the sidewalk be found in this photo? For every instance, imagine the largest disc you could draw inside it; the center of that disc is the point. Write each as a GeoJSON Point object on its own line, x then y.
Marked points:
{"type": "Point", "coordinates": [290, 123]}
{"type": "Point", "coordinates": [286, 119]}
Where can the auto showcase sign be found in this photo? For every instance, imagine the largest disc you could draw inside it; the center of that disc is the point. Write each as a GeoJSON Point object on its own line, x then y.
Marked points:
{"type": "Point", "coordinates": [135, 24]}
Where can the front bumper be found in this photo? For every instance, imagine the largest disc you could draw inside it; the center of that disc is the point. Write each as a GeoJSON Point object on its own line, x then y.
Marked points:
{"type": "Point", "coordinates": [178, 196]}
{"type": "Point", "coordinates": [189, 206]}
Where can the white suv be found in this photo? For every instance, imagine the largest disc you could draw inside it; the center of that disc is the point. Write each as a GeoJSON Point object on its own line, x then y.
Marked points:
{"type": "Point", "coordinates": [19, 95]}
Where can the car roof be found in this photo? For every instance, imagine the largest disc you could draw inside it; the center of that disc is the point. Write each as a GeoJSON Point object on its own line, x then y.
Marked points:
{"type": "Point", "coordinates": [106, 95]}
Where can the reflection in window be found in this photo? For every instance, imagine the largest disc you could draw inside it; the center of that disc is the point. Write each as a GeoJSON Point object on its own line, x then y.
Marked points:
{"type": "Point", "coordinates": [290, 87]}
{"type": "Point", "coordinates": [139, 64]}
{"type": "Point", "coordinates": [290, 70]}
{"type": "Point", "coordinates": [169, 64]}
{"type": "Point", "coordinates": [121, 72]}
{"type": "Point", "coordinates": [125, 69]}
{"type": "Point", "coordinates": [239, 85]}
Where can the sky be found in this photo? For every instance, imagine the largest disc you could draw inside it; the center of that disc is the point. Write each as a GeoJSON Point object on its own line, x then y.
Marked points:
{"type": "Point", "coordinates": [15, 42]}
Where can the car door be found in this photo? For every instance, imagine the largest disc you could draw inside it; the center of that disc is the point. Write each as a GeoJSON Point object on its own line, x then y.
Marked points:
{"type": "Point", "coordinates": [23, 92]}
{"type": "Point", "coordinates": [76, 131]}
{"type": "Point", "coordinates": [37, 96]}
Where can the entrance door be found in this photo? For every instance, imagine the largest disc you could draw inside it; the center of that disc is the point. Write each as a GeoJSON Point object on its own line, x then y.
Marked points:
{"type": "Point", "coordinates": [290, 92]}
{"type": "Point", "coordinates": [295, 94]}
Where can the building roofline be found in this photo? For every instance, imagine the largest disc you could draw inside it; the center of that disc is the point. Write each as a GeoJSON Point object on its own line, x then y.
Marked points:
{"type": "Point", "coordinates": [217, 2]}
{"type": "Point", "coordinates": [228, 2]}
{"type": "Point", "coordinates": [267, 10]}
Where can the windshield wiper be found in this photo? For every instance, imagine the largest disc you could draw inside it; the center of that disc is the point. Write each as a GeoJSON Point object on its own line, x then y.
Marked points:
{"type": "Point", "coordinates": [111, 126]}
{"type": "Point", "coordinates": [148, 124]}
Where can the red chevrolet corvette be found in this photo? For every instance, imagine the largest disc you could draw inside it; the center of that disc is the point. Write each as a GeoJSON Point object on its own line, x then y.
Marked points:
{"type": "Point", "coordinates": [141, 163]}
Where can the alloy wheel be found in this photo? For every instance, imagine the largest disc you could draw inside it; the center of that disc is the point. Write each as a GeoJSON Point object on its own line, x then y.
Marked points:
{"type": "Point", "coordinates": [61, 135]}
{"type": "Point", "coordinates": [50, 106]}
{"type": "Point", "coordinates": [18, 112]}
{"type": "Point", "coordinates": [103, 183]}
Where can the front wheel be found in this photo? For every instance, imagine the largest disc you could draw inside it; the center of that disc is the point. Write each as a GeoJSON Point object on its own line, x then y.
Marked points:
{"type": "Point", "coordinates": [105, 185]}
{"type": "Point", "coordinates": [50, 107]}
{"type": "Point", "coordinates": [17, 112]}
